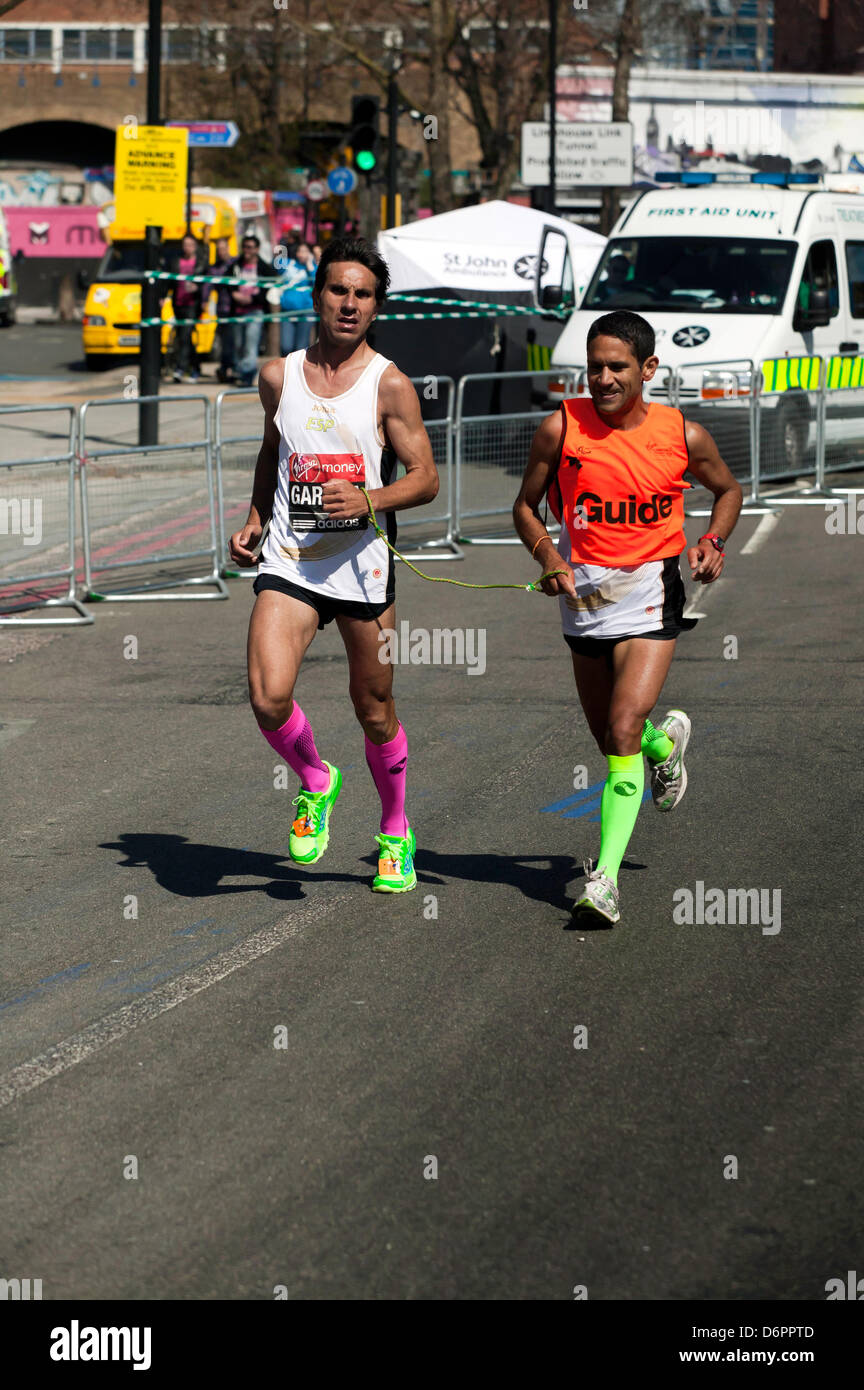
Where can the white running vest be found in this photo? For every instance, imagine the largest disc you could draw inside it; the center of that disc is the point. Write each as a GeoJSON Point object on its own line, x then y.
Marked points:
{"type": "Point", "coordinates": [323, 438]}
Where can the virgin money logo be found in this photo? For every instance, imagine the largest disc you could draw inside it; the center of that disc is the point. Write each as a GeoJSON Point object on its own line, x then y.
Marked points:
{"type": "Point", "coordinates": [305, 468]}
{"type": "Point", "coordinates": [320, 468]}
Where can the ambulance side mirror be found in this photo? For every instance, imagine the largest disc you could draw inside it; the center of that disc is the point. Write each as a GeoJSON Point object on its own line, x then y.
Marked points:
{"type": "Point", "coordinates": [551, 296]}
{"type": "Point", "coordinates": [817, 314]}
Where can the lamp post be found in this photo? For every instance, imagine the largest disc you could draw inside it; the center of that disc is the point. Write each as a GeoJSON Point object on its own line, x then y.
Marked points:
{"type": "Point", "coordinates": [150, 350]}
{"type": "Point", "coordinates": [393, 40]}
{"type": "Point", "coordinates": [553, 62]}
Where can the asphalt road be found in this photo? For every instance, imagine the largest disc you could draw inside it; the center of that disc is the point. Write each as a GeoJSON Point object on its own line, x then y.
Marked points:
{"type": "Point", "coordinates": [439, 1025]}
{"type": "Point", "coordinates": [43, 350]}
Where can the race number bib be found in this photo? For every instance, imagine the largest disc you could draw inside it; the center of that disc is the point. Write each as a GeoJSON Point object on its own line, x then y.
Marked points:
{"type": "Point", "coordinates": [307, 474]}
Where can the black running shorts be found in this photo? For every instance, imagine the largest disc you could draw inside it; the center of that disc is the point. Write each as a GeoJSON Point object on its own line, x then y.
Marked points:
{"type": "Point", "coordinates": [326, 608]}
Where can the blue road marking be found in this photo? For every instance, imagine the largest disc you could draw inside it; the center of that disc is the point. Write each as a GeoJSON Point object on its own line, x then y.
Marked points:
{"type": "Point", "coordinates": [63, 977]}
{"type": "Point", "coordinates": [586, 794]}
{"type": "Point", "coordinates": [205, 922]}
{"type": "Point", "coordinates": [585, 803]}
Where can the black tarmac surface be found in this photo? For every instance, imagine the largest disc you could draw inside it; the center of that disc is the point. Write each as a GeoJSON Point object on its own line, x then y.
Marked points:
{"type": "Point", "coordinates": [157, 941]}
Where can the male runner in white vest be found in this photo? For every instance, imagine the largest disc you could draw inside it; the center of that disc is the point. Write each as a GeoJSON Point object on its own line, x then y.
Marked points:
{"type": "Point", "coordinates": [331, 412]}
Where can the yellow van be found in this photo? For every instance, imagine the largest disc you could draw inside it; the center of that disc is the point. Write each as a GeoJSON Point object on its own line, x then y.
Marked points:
{"type": "Point", "coordinates": [112, 310]}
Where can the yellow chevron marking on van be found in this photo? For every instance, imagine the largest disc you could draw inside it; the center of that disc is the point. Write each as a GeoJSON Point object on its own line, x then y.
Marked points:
{"type": "Point", "coordinates": [845, 373]}
{"type": "Point", "coordinates": [790, 373]}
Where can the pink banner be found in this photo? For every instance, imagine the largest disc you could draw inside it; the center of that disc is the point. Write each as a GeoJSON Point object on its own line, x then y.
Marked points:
{"type": "Point", "coordinates": [54, 231]}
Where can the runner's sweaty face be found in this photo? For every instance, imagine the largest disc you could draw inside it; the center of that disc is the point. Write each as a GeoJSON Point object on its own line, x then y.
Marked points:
{"type": "Point", "coordinates": [614, 376]}
{"type": "Point", "coordinates": [347, 304]}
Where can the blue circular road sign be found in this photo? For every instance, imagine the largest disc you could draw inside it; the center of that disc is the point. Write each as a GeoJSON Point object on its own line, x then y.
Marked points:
{"type": "Point", "coordinates": [341, 181]}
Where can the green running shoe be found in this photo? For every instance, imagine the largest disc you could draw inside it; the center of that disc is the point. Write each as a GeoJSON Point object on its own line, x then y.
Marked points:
{"type": "Point", "coordinates": [396, 864]}
{"type": "Point", "coordinates": [310, 833]}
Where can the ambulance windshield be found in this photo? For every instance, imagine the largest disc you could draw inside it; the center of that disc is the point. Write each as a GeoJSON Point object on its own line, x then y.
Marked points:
{"type": "Point", "coordinates": [712, 274]}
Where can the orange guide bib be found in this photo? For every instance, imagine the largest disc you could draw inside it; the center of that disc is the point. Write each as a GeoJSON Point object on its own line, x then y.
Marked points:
{"type": "Point", "coordinates": [620, 493]}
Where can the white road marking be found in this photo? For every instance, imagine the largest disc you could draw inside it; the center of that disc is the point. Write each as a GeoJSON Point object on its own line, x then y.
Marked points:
{"type": "Point", "coordinates": [81, 1046]}
{"type": "Point", "coordinates": [756, 541]}
{"type": "Point", "coordinates": [694, 611]}
{"type": "Point", "coordinates": [761, 534]}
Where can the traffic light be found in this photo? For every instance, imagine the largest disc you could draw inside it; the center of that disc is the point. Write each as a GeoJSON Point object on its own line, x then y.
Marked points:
{"type": "Point", "coordinates": [364, 137]}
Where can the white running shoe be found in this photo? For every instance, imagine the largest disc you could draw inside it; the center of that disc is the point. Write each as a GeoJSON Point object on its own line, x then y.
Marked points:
{"type": "Point", "coordinates": [669, 778]}
{"type": "Point", "coordinates": [599, 896]}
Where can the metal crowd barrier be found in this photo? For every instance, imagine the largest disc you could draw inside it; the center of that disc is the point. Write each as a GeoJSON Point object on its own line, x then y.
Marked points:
{"type": "Point", "coordinates": [843, 417]}
{"type": "Point", "coordinates": [148, 507]}
{"type": "Point", "coordinates": [491, 451]}
{"type": "Point", "coordinates": [153, 513]}
{"type": "Point", "coordinates": [37, 507]}
{"type": "Point", "coordinates": [718, 394]}
{"type": "Point", "coordinates": [440, 431]}
{"type": "Point", "coordinates": [240, 468]}
{"type": "Point", "coordinates": [768, 420]}
{"type": "Point", "coordinates": [789, 423]}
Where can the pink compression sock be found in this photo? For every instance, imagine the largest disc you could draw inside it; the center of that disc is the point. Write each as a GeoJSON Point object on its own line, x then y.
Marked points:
{"type": "Point", "coordinates": [295, 743]}
{"type": "Point", "coordinates": [388, 764]}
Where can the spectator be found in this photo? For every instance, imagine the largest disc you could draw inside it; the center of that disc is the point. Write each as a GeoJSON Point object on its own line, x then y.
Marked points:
{"type": "Point", "coordinates": [224, 309]}
{"type": "Point", "coordinates": [249, 302]}
{"type": "Point", "coordinates": [297, 294]}
{"type": "Point", "coordinates": [186, 299]}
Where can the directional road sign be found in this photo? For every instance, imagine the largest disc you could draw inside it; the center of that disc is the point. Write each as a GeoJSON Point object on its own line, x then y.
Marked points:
{"type": "Point", "coordinates": [223, 133]}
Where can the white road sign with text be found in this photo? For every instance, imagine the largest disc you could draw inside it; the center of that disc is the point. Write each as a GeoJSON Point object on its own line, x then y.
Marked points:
{"type": "Point", "coordinates": [586, 153]}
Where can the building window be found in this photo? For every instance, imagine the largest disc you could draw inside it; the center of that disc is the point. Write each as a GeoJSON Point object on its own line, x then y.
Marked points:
{"type": "Point", "coordinates": [25, 45]}
{"type": "Point", "coordinates": [97, 45]}
{"type": "Point", "coordinates": [183, 46]}
{"type": "Point", "coordinates": [16, 44]}
{"type": "Point", "coordinates": [739, 35]}
{"type": "Point", "coordinates": [73, 45]}
{"type": "Point", "coordinates": [124, 40]}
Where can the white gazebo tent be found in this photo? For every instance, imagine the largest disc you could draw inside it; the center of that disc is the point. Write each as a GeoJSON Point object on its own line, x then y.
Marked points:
{"type": "Point", "coordinates": [488, 251]}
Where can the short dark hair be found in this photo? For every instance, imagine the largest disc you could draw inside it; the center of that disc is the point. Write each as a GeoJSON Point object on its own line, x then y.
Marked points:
{"type": "Point", "coordinates": [249, 236]}
{"type": "Point", "coordinates": [354, 248]}
{"type": "Point", "coordinates": [630, 328]}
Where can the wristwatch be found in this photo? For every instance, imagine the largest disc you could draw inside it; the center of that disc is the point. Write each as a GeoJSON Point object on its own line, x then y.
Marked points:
{"type": "Point", "coordinates": [717, 541]}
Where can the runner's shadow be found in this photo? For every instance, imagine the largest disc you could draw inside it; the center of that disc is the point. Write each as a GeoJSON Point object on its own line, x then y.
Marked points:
{"type": "Point", "coordinates": [195, 871]}
{"type": "Point", "coordinates": [544, 884]}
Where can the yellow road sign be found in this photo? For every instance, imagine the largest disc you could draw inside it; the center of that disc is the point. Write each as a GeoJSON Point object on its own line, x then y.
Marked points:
{"type": "Point", "coordinates": [150, 167]}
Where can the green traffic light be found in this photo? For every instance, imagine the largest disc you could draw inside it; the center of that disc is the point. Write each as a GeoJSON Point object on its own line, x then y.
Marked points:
{"type": "Point", "coordinates": [365, 160]}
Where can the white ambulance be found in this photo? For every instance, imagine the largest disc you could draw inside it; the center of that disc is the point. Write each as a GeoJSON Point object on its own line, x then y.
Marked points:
{"type": "Point", "coordinates": [731, 270]}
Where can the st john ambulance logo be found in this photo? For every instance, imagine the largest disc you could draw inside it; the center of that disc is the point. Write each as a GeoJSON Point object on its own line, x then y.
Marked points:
{"type": "Point", "coordinates": [526, 267]}
{"type": "Point", "coordinates": [691, 336]}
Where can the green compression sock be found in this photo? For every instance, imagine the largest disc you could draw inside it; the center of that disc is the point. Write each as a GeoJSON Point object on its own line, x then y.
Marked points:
{"type": "Point", "coordinates": [655, 744]}
{"type": "Point", "coordinates": [619, 807]}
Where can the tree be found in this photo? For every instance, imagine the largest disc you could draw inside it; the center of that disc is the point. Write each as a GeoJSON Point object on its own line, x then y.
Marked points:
{"type": "Point", "coordinates": [498, 63]}
{"type": "Point", "coordinates": [628, 42]}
